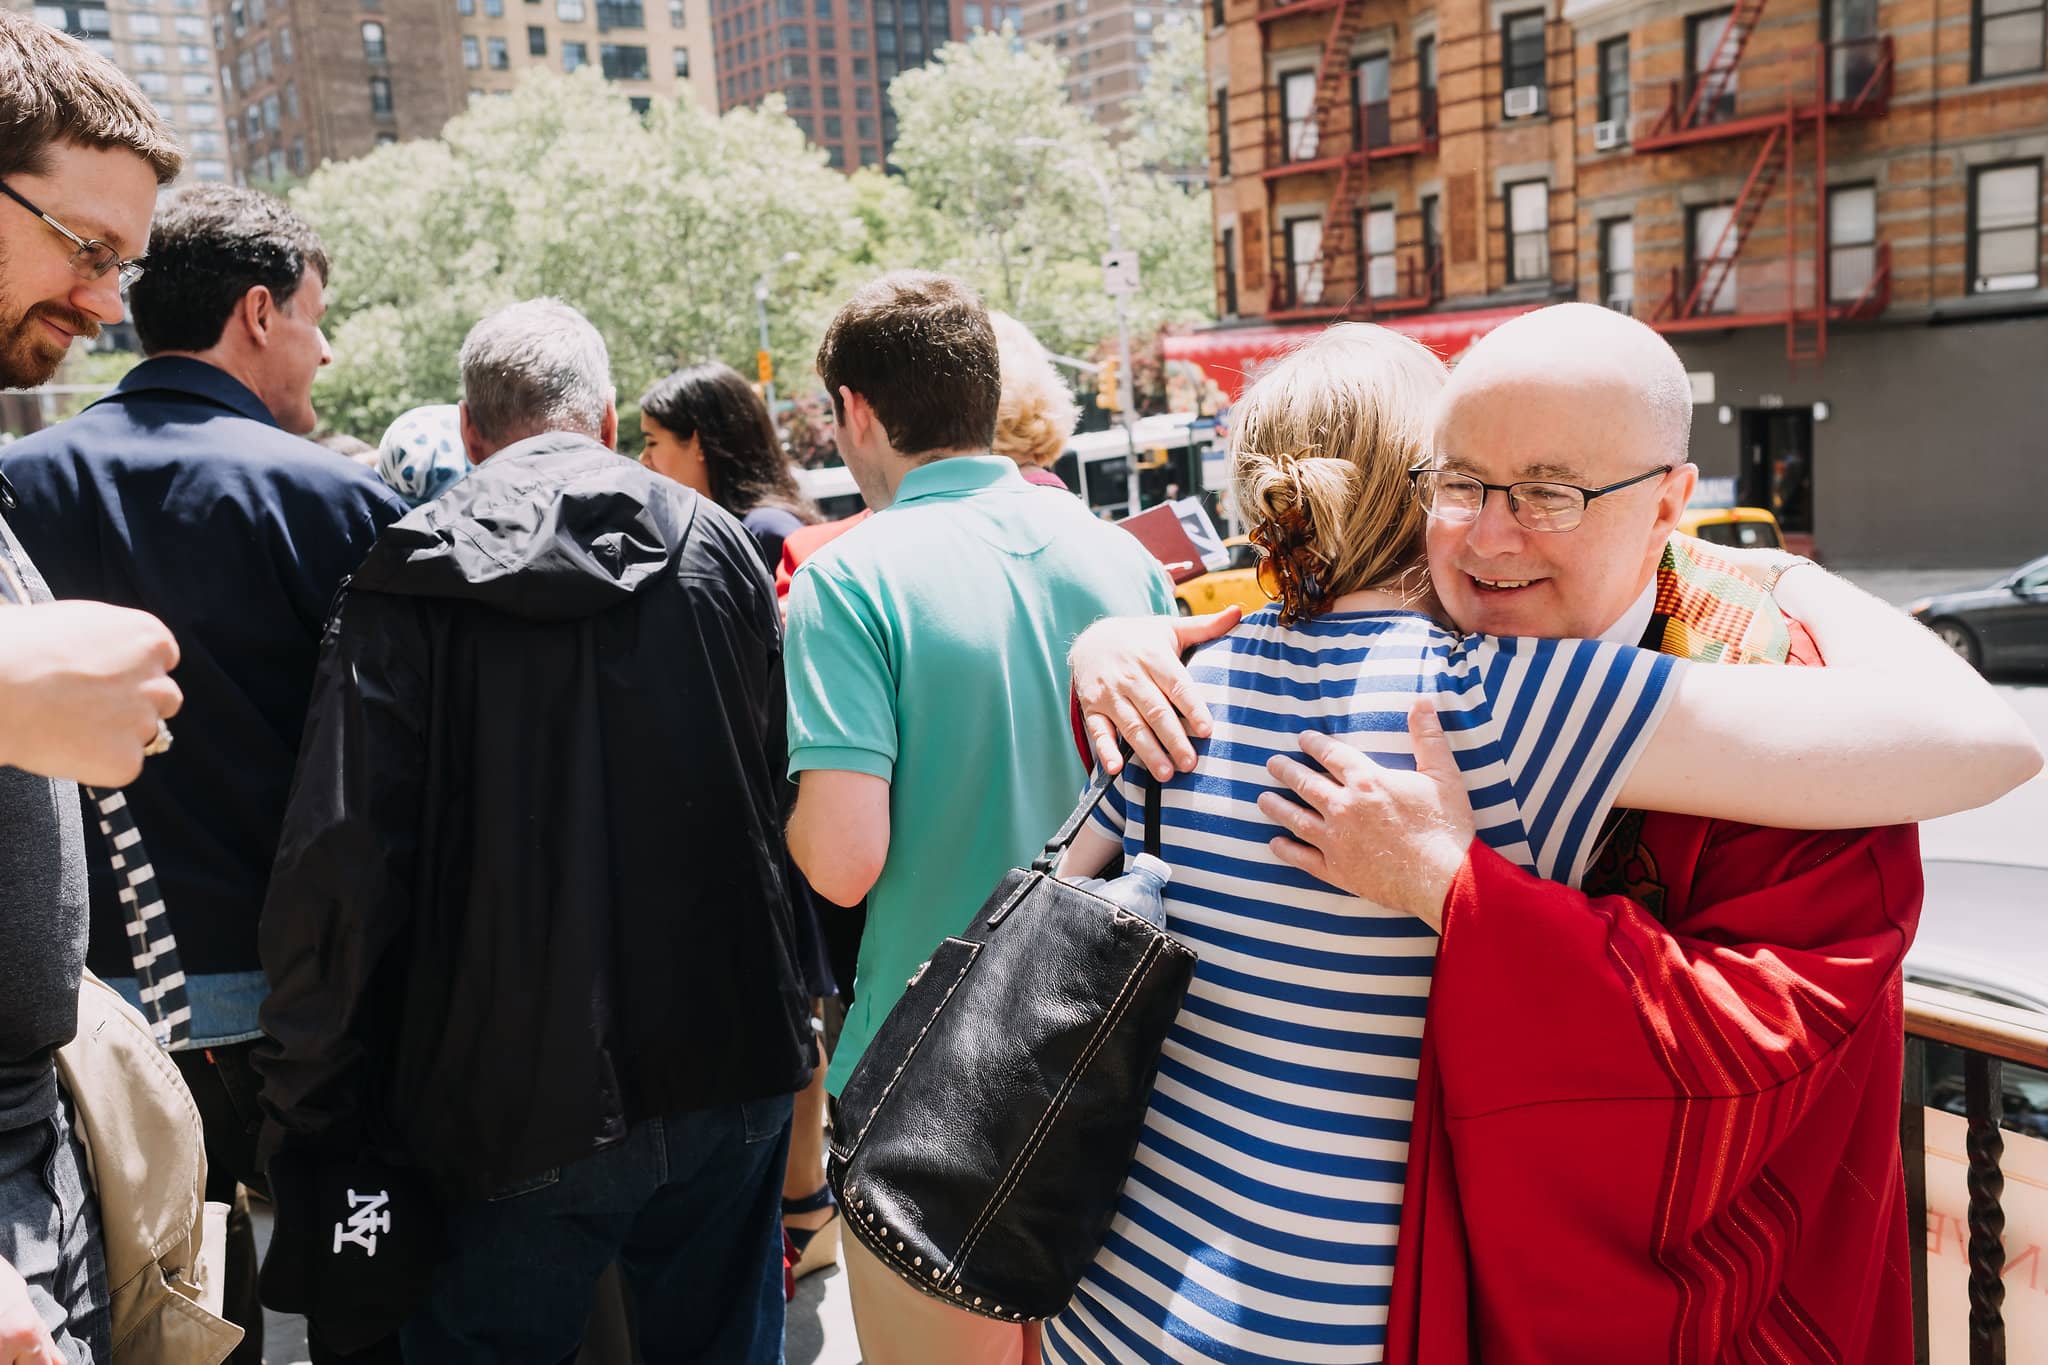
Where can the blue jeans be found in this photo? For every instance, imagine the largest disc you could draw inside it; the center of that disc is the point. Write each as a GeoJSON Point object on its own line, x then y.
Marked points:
{"type": "Point", "coordinates": [691, 1208]}
{"type": "Point", "coordinates": [50, 1234]}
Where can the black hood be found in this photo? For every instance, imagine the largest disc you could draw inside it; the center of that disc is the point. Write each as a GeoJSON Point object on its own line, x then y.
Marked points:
{"type": "Point", "coordinates": [553, 528]}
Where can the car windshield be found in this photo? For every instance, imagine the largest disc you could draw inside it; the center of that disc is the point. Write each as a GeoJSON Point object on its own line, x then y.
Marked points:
{"type": "Point", "coordinates": [1745, 535]}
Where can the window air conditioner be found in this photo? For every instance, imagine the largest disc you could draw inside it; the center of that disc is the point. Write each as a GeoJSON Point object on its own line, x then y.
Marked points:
{"type": "Point", "coordinates": [1623, 303]}
{"type": "Point", "coordinates": [1608, 134]}
{"type": "Point", "coordinates": [1524, 100]}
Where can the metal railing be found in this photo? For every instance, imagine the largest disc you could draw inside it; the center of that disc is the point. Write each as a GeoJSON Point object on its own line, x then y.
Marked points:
{"type": "Point", "coordinates": [1854, 74]}
{"type": "Point", "coordinates": [1989, 1037]}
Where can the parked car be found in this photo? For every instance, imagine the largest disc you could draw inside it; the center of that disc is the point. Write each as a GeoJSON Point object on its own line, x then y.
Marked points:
{"type": "Point", "coordinates": [2001, 625]}
{"type": "Point", "coordinates": [1219, 588]}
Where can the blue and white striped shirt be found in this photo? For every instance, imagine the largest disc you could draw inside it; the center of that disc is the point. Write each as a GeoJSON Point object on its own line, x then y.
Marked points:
{"type": "Point", "coordinates": [1259, 1219]}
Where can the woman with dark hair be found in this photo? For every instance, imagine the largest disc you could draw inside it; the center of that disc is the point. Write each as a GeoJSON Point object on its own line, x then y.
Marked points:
{"type": "Point", "coordinates": [705, 428]}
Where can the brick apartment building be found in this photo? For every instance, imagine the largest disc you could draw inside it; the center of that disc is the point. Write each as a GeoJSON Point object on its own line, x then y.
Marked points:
{"type": "Point", "coordinates": [651, 51]}
{"type": "Point", "coordinates": [832, 61]}
{"type": "Point", "coordinates": [1105, 43]}
{"type": "Point", "coordinates": [1835, 213]}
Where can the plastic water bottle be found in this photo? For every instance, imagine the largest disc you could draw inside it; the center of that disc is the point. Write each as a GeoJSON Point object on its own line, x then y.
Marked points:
{"type": "Point", "coordinates": [1141, 890]}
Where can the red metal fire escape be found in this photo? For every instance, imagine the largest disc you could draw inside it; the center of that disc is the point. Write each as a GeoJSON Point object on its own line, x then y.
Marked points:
{"type": "Point", "coordinates": [1787, 100]}
{"type": "Point", "coordinates": [1342, 148]}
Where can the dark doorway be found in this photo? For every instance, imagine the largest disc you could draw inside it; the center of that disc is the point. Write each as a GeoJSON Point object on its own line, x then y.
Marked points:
{"type": "Point", "coordinates": [1777, 467]}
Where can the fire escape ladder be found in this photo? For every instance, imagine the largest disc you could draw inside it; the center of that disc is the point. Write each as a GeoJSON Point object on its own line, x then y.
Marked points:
{"type": "Point", "coordinates": [1341, 244]}
{"type": "Point", "coordinates": [1770, 167]}
{"type": "Point", "coordinates": [1715, 77]}
{"type": "Point", "coordinates": [1333, 76]}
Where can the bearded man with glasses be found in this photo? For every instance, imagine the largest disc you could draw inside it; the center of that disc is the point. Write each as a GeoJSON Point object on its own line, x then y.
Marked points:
{"type": "Point", "coordinates": [1656, 1115]}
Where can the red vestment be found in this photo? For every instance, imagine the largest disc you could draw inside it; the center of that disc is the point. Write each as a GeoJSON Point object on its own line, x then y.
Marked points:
{"type": "Point", "coordinates": [1663, 1124]}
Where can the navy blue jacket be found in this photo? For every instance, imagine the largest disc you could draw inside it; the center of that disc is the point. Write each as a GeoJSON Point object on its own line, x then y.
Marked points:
{"type": "Point", "coordinates": [179, 494]}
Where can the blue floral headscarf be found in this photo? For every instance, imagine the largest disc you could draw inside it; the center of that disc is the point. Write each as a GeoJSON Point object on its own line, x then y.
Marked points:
{"type": "Point", "coordinates": [421, 455]}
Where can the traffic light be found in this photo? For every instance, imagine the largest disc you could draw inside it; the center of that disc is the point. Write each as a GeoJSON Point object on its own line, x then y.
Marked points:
{"type": "Point", "coordinates": [1106, 387]}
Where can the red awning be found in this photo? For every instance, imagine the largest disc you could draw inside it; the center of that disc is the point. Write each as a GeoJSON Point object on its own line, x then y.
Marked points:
{"type": "Point", "coordinates": [1235, 356]}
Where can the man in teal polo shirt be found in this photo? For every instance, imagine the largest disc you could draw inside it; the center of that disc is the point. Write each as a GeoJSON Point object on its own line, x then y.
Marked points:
{"type": "Point", "coordinates": [926, 658]}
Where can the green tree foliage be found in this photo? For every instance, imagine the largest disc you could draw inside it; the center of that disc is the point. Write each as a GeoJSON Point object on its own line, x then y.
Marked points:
{"type": "Point", "coordinates": [656, 228]}
{"type": "Point", "coordinates": [988, 143]}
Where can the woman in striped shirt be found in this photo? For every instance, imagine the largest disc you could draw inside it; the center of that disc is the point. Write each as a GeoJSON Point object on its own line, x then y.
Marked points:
{"type": "Point", "coordinates": [1258, 1222]}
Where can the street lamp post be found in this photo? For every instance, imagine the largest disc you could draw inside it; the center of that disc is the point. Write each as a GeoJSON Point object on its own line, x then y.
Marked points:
{"type": "Point", "coordinates": [1125, 380]}
{"type": "Point", "coordinates": [767, 369]}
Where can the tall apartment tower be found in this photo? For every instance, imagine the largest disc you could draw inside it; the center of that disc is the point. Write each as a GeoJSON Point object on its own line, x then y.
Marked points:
{"type": "Point", "coordinates": [651, 51]}
{"type": "Point", "coordinates": [1833, 209]}
{"type": "Point", "coordinates": [166, 47]}
{"type": "Point", "coordinates": [832, 61]}
{"type": "Point", "coordinates": [1106, 45]}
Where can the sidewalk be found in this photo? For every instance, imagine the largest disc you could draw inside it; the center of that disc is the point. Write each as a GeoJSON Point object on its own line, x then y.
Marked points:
{"type": "Point", "coordinates": [1900, 586]}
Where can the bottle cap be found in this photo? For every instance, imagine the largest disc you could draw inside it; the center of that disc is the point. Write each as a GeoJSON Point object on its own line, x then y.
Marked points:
{"type": "Point", "coordinates": [1158, 867]}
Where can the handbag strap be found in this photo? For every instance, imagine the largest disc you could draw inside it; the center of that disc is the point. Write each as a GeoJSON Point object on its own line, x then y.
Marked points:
{"type": "Point", "coordinates": [152, 947]}
{"type": "Point", "coordinates": [1090, 799]}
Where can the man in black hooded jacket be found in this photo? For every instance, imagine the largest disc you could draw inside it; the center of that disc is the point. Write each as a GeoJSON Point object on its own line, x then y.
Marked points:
{"type": "Point", "coordinates": [528, 936]}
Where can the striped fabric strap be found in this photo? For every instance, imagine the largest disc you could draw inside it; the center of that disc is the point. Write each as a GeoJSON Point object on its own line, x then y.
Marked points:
{"type": "Point", "coordinates": [151, 944]}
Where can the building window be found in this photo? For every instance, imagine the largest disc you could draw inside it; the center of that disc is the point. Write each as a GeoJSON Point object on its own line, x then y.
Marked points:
{"type": "Point", "coordinates": [622, 63]}
{"type": "Point", "coordinates": [1704, 34]}
{"type": "Point", "coordinates": [264, 66]}
{"type": "Point", "coordinates": [1425, 79]}
{"type": "Point", "coordinates": [373, 41]}
{"type": "Point", "coordinates": [828, 95]}
{"type": "Point", "coordinates": [1371, 78]}
{"type": "Point", "coordinates": [1710, 247]}
{"type": "Point", "coordinates": [863, 97]}
{"type": "Point", "coordinates": [1230, 272]}
{"type": "Point", "coordinates": [2008, 37]}
{"type": "Point", "coordinates": [570, 11]}
{"type": "Point", "coordinates": [639, 104]}
{"type": "Point", "coordinates": [1528, 231]}
{"type": "Point", "coordinates": [1382, 270]}
{"type": "Point", "coordinates": [284, 43]}
{"type": "Point", "coordinates": [1304, 238]}
{"type": "Point", "coordinates": [147, 54]}
{"type": "Point", "coordinates": [500, 61]}
{"type": "Point", "coordinates": [1298, 111]}
{"type": "Point", "coordinates": [380, 97]}
{"type": "Point", "coordinates": [681, 57]}
{"type": "Point", "coordinates": [291, 99]}
{"type": "Point", "coordinates": [675, 14]}
{"type": "Point", "coordinates": [833, 128]}
{"type": "Point", "coordinates": [612, 14]}
{"type": "Point", "coordinates": [465, 7]}
{"type": "Point", "coordinates": [1223, 134]}
{"type": "Point", "coordinates": [972, 16]}
{"type": "Point", "coordinates": [1521, 63]}
{"type": "Point", "coordinates": [797, 96]}
{"type": "Point", "coordinates": [1614, 82]}
{"type": "Point", "coordinates": [1852, 241]}
{"type": "Point", "coordinates": [494, 8]}
{"type": "Point", "coordinates": [575, 55]}
{"type": "Point", "coordinates": [828, 66]}
{"type": "Point", "coordinates": [1216, 16]}
{"type": "Point", "coordinates": [1618, 264]}
{"type": "Point", "coordinates": [472, 52]}
{"type": "Point", "coordinates": [536, 41]}
{"type": "Point", "coordinates": [2005, 227]}
{"type": "Point", "coordinates": [1432, 242]}
{"type": "Point", "coordinates": [145, 26]}
{"type": "Point", "coordinates": [864, 128]}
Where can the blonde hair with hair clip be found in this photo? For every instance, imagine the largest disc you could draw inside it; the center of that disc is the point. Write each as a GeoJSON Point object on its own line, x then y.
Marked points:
{"type": "Point", "coordinates": [1321, 446]}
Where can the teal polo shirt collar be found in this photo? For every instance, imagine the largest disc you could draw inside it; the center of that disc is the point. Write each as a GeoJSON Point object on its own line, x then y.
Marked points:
{"type": "Point", "coordinates": [956, 476]}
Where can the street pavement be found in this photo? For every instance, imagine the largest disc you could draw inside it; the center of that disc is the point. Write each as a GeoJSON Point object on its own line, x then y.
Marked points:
{"type": "Point", "coordinates": [2013, 830]}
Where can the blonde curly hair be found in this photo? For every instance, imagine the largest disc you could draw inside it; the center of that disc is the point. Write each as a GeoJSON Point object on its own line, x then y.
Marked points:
{"type": "Point", "coordinates": [1037, 412]}
{"type": "Point", "coordinates": [1321, 445]}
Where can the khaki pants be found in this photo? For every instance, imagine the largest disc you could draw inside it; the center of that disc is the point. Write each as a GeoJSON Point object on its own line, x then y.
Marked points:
{"type": "Point", "coordinates": [900, 1326]}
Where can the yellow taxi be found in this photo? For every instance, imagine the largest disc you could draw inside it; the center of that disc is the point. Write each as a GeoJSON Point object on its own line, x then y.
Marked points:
{"type": "Point", "coordinates": [1745, 528]}
{"type": "Point", "coordinates": [1216, 590]}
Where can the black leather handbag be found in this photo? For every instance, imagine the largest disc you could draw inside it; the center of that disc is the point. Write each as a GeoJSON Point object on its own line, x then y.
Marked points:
{"type": "Point", "coordinates": [984, 1137]}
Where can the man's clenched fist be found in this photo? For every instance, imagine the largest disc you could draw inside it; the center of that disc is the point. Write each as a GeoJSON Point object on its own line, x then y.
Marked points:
{"type": "Point", "coordinates": [82, 687]}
